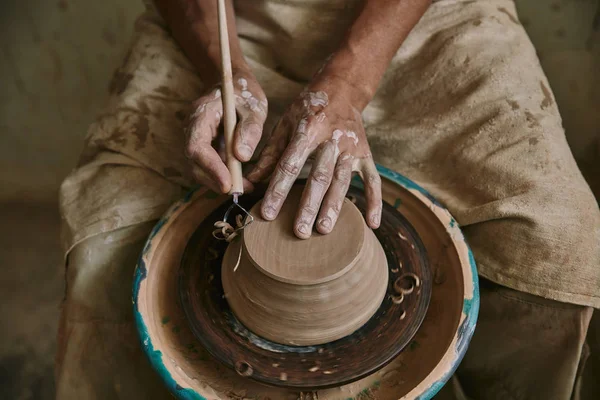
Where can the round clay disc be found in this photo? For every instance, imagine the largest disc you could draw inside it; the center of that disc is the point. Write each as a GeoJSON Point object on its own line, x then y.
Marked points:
{"type": "Point", "coordinates": [277, 252]}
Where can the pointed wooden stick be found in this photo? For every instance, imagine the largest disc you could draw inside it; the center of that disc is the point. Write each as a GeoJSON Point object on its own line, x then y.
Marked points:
{"type": "Point", "coordinates": [229, 114]}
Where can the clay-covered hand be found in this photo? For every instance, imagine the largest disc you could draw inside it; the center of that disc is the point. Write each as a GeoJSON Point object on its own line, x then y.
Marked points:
{"type": "Point", "coordinates": [323, 123]}
{"type": "Point", "coordinates": [205, 143]}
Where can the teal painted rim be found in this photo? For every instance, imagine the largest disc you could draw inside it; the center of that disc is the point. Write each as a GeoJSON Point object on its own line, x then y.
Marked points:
{"type": "Point", "coordinates": [464, 333]}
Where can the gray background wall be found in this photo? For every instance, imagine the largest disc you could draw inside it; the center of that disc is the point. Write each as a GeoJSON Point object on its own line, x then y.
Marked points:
{"type": "Point", "coordinates": [57, 58]}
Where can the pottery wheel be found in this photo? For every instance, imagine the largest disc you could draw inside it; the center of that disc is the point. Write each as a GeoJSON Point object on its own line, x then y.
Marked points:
{"type": "Point", "coordinates": [387, 321]}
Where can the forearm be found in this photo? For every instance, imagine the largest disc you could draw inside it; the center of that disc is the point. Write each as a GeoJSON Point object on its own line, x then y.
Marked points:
{"type": "Point", "coordinates": [370, 44]}
{"type": "Point", "coordinates": [194, 25]}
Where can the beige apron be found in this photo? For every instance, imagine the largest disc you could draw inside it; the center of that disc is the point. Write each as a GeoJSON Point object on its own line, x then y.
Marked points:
{"type": "Point", "coordinates": [464, 110]}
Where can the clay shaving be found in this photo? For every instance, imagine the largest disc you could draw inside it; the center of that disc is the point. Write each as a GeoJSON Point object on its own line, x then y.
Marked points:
{"type": "Point", "coordinates": [225, 231]}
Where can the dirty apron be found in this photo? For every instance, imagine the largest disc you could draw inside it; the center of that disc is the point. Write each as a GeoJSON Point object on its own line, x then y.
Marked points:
{"type": "Point", "coordinates": [464, 110]}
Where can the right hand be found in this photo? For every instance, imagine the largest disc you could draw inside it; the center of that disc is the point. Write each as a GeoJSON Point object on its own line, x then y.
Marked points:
{"type": "Point", "coordinates": [205, 146]}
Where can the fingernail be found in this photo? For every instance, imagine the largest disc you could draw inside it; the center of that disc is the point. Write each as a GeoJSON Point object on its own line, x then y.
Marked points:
{"type": "Point", "coordinates": [245, 151]}
{"type": "Point", "coordinates": [269, 212]}
{"type": "Point", "coordinates": [303, 229]}
{"type": "Point", "coordinates": [375, 219]}
{"type": "Point", "coordinates": [325, 223]}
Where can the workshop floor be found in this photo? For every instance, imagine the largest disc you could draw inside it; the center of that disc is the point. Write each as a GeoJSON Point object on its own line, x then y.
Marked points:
{"type": "Point", "coordinates": [56, 60]}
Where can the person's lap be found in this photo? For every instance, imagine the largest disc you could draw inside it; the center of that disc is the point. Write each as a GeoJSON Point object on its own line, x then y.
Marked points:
{"type": "Point", "coordinates": [464, 111]}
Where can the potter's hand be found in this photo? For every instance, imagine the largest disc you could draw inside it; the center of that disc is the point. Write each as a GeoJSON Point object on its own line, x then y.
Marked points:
{"type": "Point", "coordinates": [322, 122]}
{"type": "Point", "coordinates": [208, 165]}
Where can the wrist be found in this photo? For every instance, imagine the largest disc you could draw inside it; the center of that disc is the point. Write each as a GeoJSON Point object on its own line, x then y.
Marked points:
{"type": "Point", "coordinates": [342, 85]}
{"type": "Point", "coordinates": [348, 77]}
{"type": "Point", "coordinates": [208, 64]}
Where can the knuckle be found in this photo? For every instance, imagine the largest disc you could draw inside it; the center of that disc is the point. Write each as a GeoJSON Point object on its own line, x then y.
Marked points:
{"type": "Point", "coordinates": [195, 151]}
{"type": "Point", "coordinates": [309, 210]}
{"type": "Point", "coordinates": [336, 207]}
{"type": "Point", "coordinates": [346, 158]}
{"type": "Point", "coordinates": [191, 151]}
{"type": "Point", "coordinates": [373, 179]}
{"type": "Point", "coordinates": [260, 116]}
{"type": "Point", "coordinates": [200, 104]}
{"type": "Point", "coordinates": [300, 137]}
{"type": "Point", "coordinates": [288, 168]}
{"type": "Point", "coordinates": [277, 194]}
{"type": "Point", "coordinates": [251, 127]}
{"type": "Point", "coordinates": [321, 176]}
{"type": "Point", "coordinates": [312, 121]}
{"type": "Point", "coordinates": [342, 174]}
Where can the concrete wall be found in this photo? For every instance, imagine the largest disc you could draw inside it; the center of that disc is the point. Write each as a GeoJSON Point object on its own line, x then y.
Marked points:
{"type": "Point", "coordinates": [57, 59]}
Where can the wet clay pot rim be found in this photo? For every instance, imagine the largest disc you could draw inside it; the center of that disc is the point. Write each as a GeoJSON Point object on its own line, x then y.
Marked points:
{"type": "Point", "coordinates": [419, 372]}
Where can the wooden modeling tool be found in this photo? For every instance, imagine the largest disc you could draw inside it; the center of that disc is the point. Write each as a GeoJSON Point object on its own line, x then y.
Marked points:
{"type": "Point", "coordinates": [229, 117]}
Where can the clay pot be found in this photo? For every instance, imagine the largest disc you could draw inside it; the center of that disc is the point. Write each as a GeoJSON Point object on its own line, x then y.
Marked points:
{"type": "Point", "coordinates": [305, 292]}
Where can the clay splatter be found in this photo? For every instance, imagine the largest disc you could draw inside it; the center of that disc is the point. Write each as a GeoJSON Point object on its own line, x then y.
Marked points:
{"type": "Point", "coordinates": [141, 130]}
{"type": "Point", "coordinates": [532, 120]}
{"type": "Point", "coordinates": [513, 104]}
{"type": "Point", "coordinates": [510, 16]}
{"type": "Point", "coordinates": [547, 96]}
{"type": "Point", "coordinates": [166, 91]}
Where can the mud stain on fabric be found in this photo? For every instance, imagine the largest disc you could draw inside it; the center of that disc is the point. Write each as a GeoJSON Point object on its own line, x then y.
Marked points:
{"type": "Point", "coordinates": [141, 130]}
{"type": "Point", "coordinates": [547, 101]}
{"type": "Point", "coordinates": [510, 16]}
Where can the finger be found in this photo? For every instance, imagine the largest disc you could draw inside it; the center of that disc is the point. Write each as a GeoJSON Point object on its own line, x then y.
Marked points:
{"type": "Point", "coordinates": [247, 134]}
{"type": "Point", "coordinates": [207, 158]}
{"type": "Point", "coordinates": [334, 199]}
{"type": "Point", "coordinates": [248, 186]}
{"type": "Point", "coordinates": [204, 179]}
{"type": "Point", "coordinates": [372, 182]}
{"type": "Point", "coordinates": [285, 175]}
{"type": "Point", "coordinates": [272, 152]}
{"type": "Point", "coordinates": [206, 118]}
{"type": "Point", "coordinates": [316, 187]}
{"type": "Point", "coordinates": [201, 131]}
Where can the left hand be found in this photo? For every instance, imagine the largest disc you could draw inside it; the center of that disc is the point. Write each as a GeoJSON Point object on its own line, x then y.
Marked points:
{"type": "Point", "coordinates": [323, 121]}
{"type": "Point", "coordinates": [205, 146]}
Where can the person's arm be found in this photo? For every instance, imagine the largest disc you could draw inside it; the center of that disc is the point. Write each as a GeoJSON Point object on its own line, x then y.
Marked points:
{"type": "Point", "coordinates": [326, 120]}
{"type": "Point", "coordinates": [194, 26]}
{"type": "Point", "coordinates": [370, 44]}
